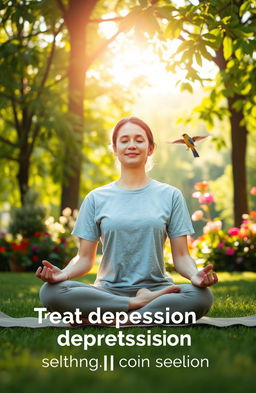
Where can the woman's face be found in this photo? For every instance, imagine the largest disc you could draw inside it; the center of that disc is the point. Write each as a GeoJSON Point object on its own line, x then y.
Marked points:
{"type": "Point", "coordinates": [132, 146]}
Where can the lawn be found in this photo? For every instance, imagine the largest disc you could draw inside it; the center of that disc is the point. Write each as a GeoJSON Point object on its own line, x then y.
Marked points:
{"type": "Point", "coordinates": [231, 352]}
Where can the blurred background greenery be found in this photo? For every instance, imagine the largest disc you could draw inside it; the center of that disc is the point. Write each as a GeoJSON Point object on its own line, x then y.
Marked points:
{"type": "Point", "coordinates": [70, 70]}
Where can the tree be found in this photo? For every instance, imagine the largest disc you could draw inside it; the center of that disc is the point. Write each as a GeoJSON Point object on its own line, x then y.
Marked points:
{"type": "Point", "coordinates": [28, 79]}
{"type": "Point", "coordinates": [79, 16]}
{"type": "Point", "coordinates": [221, 32]}
{"type": "Point", "coordinates": [33, 78]}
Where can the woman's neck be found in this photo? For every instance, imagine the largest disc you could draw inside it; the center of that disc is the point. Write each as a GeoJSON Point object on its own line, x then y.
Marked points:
{"type": "Point", "coordinates": [132, 179]}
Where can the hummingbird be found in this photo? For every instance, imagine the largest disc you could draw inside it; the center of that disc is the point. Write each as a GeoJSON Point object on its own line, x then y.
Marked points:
{"type": "Point", "coordinates": [189, 142]}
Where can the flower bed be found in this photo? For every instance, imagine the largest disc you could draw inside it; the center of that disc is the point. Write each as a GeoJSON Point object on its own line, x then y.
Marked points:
{"type": "Point", "coordinates": [231, 250]}
{"type": "Point", "coordinates": [26, 253]}
{"type": "Point", "coordinates": [228, 250]}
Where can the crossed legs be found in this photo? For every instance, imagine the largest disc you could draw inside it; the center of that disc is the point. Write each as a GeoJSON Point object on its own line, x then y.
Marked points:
{"type": "Point", "coordinates": [69, 295]}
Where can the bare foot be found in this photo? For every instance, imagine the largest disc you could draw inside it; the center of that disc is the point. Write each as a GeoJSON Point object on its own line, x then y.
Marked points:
{"type": "Point", "coordinates": [144, 296]}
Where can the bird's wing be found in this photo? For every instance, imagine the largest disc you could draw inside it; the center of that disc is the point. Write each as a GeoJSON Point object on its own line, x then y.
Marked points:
{"type": "Point", "coordinates": [199, 138]}
{"type": "Point", "coordinates": [177, 141]}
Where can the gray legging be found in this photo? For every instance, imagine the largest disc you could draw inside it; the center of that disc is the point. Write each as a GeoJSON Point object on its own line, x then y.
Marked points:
{"type": "Point", "coordinates": [69, 295]}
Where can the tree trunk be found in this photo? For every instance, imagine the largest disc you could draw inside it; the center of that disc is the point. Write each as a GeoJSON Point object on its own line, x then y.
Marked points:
{"type": "Point", "coordinates": [238, 155]}
{"type": "Point", "coordinates": [238, 150]}
{"type": "Point", "coordinates": [23, 175]}
{"type": "Point", "coordinates": [76, 18]}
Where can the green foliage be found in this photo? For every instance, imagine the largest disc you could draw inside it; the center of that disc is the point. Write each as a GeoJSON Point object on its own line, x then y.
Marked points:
{"type": "Point", "coordinates": [217, 33]}
{"type": "Point", "coordinates": [224, 200]}
{"type": "Point", "coordinates": [31, 98]}
{"type": "Point", "coordinates": [227, 47]}
{"type": "Point", "coordinates": [29, 218]}
{"type": "Point", "coordinates": [34, 102]}
{"type": "Point", "coordinates": [5, 249]}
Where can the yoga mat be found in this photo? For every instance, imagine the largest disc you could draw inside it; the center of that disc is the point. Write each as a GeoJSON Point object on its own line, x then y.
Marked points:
{"type": "Point", "coordinates": [7, 321]}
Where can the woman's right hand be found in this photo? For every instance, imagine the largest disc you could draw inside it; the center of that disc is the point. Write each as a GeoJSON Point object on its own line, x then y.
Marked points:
{"type": "Point", "coordinates": [50, 273]}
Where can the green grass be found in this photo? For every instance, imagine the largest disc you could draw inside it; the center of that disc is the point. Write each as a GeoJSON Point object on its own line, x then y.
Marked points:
{"type": "Point", "coordinates": [231, 352]}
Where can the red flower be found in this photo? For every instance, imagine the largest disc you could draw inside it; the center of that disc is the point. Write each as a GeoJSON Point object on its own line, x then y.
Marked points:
{"type": "Point", "coordinates": [206, 198]}
{"type": "Point", "coordinates": [234, 231]}
{"type": "Point", "coordinates": [37, 234]}
{"type": "Point", "coordinates": [2, 249]}
{"type": "Point", "coordinates": [20, 247]}
{"type": "Point", "coordinates": [24, 245]}
{"type": "Point", "coordinates": [15, 247]}
{"type": "Point", "coordinates": [35, 258]}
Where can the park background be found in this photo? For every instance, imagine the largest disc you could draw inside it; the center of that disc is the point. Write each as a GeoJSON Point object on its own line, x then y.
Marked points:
{"type": "Point", "coordinates": [69, 70]}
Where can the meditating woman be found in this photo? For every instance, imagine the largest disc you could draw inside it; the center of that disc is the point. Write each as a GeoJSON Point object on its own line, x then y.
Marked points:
{"type": "Point", "coordinates": [132, 217]}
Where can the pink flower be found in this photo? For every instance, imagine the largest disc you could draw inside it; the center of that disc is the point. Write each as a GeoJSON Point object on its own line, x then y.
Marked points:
{"type": "Point", "coordinates": [253, 190]}
{"type": "Point", "coordinates": [245, 224]}
{"type": "Point", "coordinates": [197, 215]}
{"type": "Point", "coordinates": [201, 186]}
{"type": "Point", "coordinates": [212, 226]}
{"type": "Point", "coordinates": [221, 245]}
{"type": "Point", "coordinates": [230, 251]}
{"type": "Point", "coordinates": [234, 231]}
{"type": "Point", "coordinates": [206, 198]}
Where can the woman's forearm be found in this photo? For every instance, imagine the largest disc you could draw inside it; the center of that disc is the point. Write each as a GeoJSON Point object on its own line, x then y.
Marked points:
{"type": "Point", "coordinates": [78, 266]}
{"type": "Point", "coordinates": [185, 265]}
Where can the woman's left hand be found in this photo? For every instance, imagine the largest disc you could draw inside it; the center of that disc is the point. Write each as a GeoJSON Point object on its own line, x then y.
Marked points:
{"type": "Point", "coordinates": [204, 278]}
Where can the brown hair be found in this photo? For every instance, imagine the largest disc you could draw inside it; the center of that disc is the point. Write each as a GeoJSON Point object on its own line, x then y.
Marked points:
{"type": "Point", "coordinates": [134, 120]}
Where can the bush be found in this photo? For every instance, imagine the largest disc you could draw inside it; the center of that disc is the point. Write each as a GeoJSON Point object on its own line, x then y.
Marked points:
{"type": "Point", "coordinates": [55, 244]}
{"type": "Point", "coordinates": [29, 218]}
{"type": "Point", "coordinates": [231, 250]}
{"type": "Point", "coordinates": [228, 250]}
{"type": "Point", "coordinates": [5, 249]}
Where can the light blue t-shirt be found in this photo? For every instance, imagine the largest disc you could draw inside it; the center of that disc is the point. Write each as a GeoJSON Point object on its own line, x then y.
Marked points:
{"type": "Point", "coordinates": [132, 226]}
